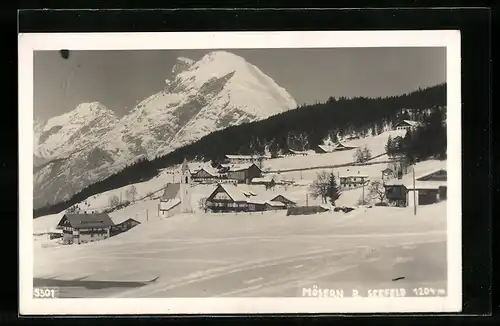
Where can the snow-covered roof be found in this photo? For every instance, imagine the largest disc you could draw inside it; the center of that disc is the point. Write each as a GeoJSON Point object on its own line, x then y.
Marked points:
{"type": "Point", "coordinates": [171, 191]}
{"type": "Point", "coordinates": [273, 197]}
{"type": "Point", "coordinates": [428, 173]}
{"type": "Point", "coordinates": [240, 157]}
{"type": "Point", "coordinates": [169, 204]}
{"type": "Point", "coordinates": [408, 122]}
{"type": "Point", "coordinates": [233, 192]}
{"type": "Point", "coordinates": [255, 201]}
{"type": "Point", "coordinates": [426, 185]}
{"type": "Point", "coordinates": [327, 148]}
{"type": "Point", "coordinates": [118, 219]}
{"type": "Point", "coordinates": [298, 152]}
{"type": "Point", "coordinates": [213, 172]}
{"type": "Point", "coordinates": [276, 203]}
{"type": "Point", "coordinates": [240, 167]}
{"type": "Point", "coordinates": [78, 221]}
{"type": "Point", "coordinates": [264, 179]}
{"type": "Point", "coordinates": [421, 169]}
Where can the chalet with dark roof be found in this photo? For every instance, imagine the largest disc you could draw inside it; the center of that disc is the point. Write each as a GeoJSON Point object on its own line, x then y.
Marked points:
{"type": "Point", "coordinates": [405, 125]}
{"type": "Point", "coordinates": [82, 228]}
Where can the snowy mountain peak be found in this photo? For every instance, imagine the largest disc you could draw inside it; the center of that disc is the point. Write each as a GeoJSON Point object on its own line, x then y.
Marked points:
{"type": "Point", "coordinates": [181, 64]}
{"type": "Point", "coordinates": [68, 132]}
{"type": "Point", "coordinates": [218, 91]}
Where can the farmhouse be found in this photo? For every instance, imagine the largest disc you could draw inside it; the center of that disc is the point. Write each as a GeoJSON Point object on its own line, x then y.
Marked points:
{"type": "Point", "coordinates": [243, 173]}
{"type": "Point", "coordinates": [227, 198]}
{"type": "Point", "coordinates": [206, 175]}
{"type": "Point", "coordinates": [82, 228]}
{"type": "Point", "coordinates": [405, 125]}
{"type": "Point", "coordinates": [353, 180]}
{"type": "Point", "coordinates": [233, 198]}
{"type": "Point", "coordinates": [176, 197]}
{"type": "Point", "coordinates": [329, 147]}
{"type": "Point", "coordinates": [429, 188]}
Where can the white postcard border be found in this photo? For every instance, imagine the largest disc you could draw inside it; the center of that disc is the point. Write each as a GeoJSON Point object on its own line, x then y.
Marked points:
{"type": "Point", "coordinates": [28, 43]}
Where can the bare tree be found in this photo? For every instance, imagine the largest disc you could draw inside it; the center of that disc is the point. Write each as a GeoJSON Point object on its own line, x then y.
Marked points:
{"type": "Point", "coordinates": [362, 155]}
{"type": "Point", "coordinates": [114, 201]}
{"type": "Point", "coordinates": [131, 193]}
{"type": "Point", "coordinates": [202, 204]}
{"type": "Point", "coordinates": [320, 186]}
{"type": "Point", "coordinates": [376, 190]}
{"type": "Point", "coordinates": [364, 201]}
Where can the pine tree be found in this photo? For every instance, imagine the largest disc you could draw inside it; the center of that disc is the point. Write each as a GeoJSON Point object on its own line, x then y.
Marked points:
{"type": "Point", "coordinates": [333, 189]}
{"type": "Point", "coordinates": [389, 147]}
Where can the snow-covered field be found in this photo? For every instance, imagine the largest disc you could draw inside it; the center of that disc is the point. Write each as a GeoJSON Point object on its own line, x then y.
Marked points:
{"type": "Point", "coordinates": [252, 254]}
{"type": "Point", "coordinates": [268, 254]}
{"type": "Point", "coordinates": [376, 144]}
{"type": "Point", "coordinates": [154, 186]}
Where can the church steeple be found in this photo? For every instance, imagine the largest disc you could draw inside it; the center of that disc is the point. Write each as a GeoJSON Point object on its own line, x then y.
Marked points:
{"type": "Point", "coordinates": [185, 173]}
{"type": "Point", "coordinates": [185, 166]}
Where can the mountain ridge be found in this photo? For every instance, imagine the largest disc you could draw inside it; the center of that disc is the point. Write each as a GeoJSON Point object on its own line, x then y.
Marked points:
{"type": "Point", "coordinates": [215, 92]}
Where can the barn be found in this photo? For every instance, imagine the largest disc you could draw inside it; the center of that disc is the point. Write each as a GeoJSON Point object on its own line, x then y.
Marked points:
{"type": "Point", "coordinates": [429, 188]}
{"type": "Point", "coordinates": [123, 226]}
{"type": "Point", "coordinates": [203, 173]}
{"type": "Point", "coordinates": [82, 228]}
{"type": "Point", "coordinates": [282, 199]}
{"type": "Point", "coordinates": [244, 173]}
{"type": "Point", "coordinates": [274, 205]}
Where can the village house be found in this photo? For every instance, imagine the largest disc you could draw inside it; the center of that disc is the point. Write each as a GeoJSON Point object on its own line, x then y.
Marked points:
{"type": "Point", "coordinates": [233, 198]}
{"type": "Point", "coordinates": [242, 173]}
{"type": "Point", "coordinates": [405, 125]}
{"type": "Point", "coordinates": [352, 180]}
{"type": "Point", "coordinates": [429, 188]}
{"type": "Point", "coordinates": [82, 228]}
{"type": "Point", "coordinates": [240, 159]}
{"type": "Point", "coordinates": [330, 147]}
{"type": "Point", "coordinates": [206, 175]}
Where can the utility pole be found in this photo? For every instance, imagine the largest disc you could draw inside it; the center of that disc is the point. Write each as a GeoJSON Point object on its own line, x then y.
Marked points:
{"type": "Point", "coordinates": [147, 215]}
{"type": "Point", "coordinates": [414, 194]}
{"type": "Point", "coordinates": [363, 191]}
{"type": "Point", "coordinates": [307, 199]}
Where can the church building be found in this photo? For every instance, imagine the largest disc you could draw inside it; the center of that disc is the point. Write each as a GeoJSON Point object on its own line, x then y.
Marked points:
{"type": "Point", "coordinates": [176, 198]}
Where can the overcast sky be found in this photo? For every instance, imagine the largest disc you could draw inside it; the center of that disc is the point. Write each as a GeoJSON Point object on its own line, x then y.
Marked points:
{"type": "Point", "coordinates": [119, 79]}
